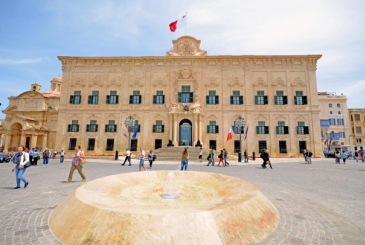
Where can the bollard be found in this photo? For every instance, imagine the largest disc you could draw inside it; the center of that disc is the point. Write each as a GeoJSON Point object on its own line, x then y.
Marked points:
{"type": "Point", "coordinates": [253, 156]}
{"type": "Point", "coordinates": [239, 157]}
{"type": "Point", "coordinates": [116, 155]}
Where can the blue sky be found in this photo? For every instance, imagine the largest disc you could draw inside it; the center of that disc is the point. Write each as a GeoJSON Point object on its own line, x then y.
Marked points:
{"type": "Point", "coordinates": [33, 33]}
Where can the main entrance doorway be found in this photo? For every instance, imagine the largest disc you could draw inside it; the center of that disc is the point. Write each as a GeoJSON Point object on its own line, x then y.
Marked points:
{"type": "Point", "coordinates": [185, 133]}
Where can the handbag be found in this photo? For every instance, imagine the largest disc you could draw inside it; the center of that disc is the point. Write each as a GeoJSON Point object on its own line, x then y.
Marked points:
{"type": "Point", "coordinates": [28, 164]}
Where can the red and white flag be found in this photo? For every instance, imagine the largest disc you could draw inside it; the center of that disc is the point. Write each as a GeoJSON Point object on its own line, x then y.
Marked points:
{"type": "Point", "coordinates": [177, 24]}
{"type": "Point", "coordinates": [124, 133]}
{"type": "Point", "coordinates": [230, 134]}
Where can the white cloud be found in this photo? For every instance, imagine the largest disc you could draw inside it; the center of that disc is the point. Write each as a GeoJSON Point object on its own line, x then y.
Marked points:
{"type": "Point", "coordinates": [354, 92]}
{"type": "Point", "coordinates": [19, 61]}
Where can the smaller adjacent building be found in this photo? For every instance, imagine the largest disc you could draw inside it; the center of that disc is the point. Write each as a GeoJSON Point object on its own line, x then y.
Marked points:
{"type": "Point", "coordinates": [357, 118]}
{"type": "Point", "coordinates": [334, 122]}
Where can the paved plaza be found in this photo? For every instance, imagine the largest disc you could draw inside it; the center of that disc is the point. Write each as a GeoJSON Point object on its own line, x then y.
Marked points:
{"type": "Point", "coordinates": [322, 203]}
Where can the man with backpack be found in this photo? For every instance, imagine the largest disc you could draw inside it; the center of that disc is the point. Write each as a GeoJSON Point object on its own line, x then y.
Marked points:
{"type": "Point", "coordinates": [46, 155]}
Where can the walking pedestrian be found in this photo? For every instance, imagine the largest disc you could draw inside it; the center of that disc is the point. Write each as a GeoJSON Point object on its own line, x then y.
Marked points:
{"type": "Point", "coordinates": [211, 158]}
{"type": "Point", "coordinates": [201, 154]}
{"type": "Point", "coordinates": [305, 154]}
{"type": "Point", "coordinates": [127, 157]}
{"type": "Point", "coordinates": [20, 159]}
{"type": "Point", "coordinates": [356, 156]}
{"type": "Point", "coordinates": [338, 157]}
{"type": "Point", "coordinates": [220, 156]}
{"type": "Point", "coordinates": [55, 153]}
{"type": "Point", "coordinates": [245, 156]}
{"type": "Point", "coordinates": [142, 156]}
{"type": "Point", "coordinates": [344, 157]}
{"type": "Point", "coordinates": [31, 156]}
{"type": "Point", "coordinates": [151, 158]}
{"type": "Point", "coordinates": [184, 159]}
{"type": "Point", "coordinates": [35, 156]}
{"type": "Point", "coordinates": [77, 160]}
{"type": "Point", "coordinates": [225, 157]}
{"type": "Point", "coordinates": [309, 156]}
{"type": "Point", "coordinates": [62, 155]}
{"type": "Point", "coordinates": [46, 155]}
{"type": "Point", "coordinates": [266, 158]}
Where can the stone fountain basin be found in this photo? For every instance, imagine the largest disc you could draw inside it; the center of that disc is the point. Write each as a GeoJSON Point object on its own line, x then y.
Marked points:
{"type": "Point", "coordinates": [128, 209]}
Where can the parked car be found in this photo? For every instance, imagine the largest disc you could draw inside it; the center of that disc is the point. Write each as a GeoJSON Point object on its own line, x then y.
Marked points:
{"type": "Point", "coordinates": [329, 154]}
{"type": "Point", "coordinates": [4, 157]}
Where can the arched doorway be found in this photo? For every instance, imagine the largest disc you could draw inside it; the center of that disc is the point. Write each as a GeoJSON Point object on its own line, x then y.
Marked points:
{"type": "Point", "coordinates": [185, 133]}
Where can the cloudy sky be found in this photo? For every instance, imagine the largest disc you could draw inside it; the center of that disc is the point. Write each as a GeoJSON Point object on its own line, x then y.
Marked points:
{"type": "Point", "coordinates": [33, 33]}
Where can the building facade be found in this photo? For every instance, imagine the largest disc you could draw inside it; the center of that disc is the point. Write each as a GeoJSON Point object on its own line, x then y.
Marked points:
{"type": "Point", "coordinates": [187, 96]}
{"type": "Point", "coordinates": [357, 118]}
{"type": "Point", "coordinates": [335, 122]}
{"type": "Point", "coordinates": [31, 118]}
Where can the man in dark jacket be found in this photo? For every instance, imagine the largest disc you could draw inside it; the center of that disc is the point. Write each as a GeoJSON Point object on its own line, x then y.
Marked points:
{"type": "Point", "coordinates": [265, 157]}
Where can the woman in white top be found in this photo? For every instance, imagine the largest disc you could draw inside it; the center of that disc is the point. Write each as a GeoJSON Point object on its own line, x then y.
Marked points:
{"type": "Point", "coordinates": [20, 159]}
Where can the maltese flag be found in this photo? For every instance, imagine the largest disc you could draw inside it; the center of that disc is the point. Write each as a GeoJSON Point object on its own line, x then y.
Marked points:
{"type": "Point", "coordinates": [177, 24]}
{"type": "Point", "coordinates": [230, 134]}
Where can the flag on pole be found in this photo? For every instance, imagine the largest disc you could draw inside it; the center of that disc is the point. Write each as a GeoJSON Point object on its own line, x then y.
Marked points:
{"type": "Point", "coordinates": [124, 133]}
{"type": "Point", "coordinates": [230, 134]}
{"type": "Point", "coordinates": [177, 24]}
{"type": "Point", "coordinates": [325, 142]}
{"type": "Point", "coordinates": [246, 133]}
{"type": "Point", "coordinates": [135, 133]}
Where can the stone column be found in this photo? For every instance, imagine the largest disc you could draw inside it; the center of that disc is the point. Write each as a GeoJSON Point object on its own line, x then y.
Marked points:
{"type": "Point", "coordinates": [195, 140]}
{"type": "Point", "coordinates": [22, 139]}
{"type": "Point", "coordinates": [175, 131]}
{"type": "Point", "coordinates": [171, 118]}
{"type": "Point", "coordinates": [34, 140]}
{"type": "Point", "coordinates": [44, 144]}
{"type": "Point", "coordinates": [200, 129]}
{"type": "Point", "coordinates": [2, 139]}
{"type": "Point", "coordinates": [7, 142]}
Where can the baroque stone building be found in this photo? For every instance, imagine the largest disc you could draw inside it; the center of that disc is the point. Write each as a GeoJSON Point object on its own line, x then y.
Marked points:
{"type": "Point", "coordinates": [357, 118]}
{"type": "Point", "coordinates": [187, 96]}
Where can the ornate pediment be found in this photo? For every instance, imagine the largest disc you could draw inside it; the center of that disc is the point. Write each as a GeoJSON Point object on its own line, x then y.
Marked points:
{"type": "Point", "coordinates": [186, 46]}
{"type": "Point", "coordinates": [93, 116]}
{"type": "Point", "coordinates": [235, 82]}
{"type": "Point", "coordinates": [262, 117]}
{"type": "Point", "coordinates": [279, 82]}
{"type": "Point", "coordinates": [298, 82]}
{"type": "Point", "coordinates": [136, 82]}
{"type": "Point", "coordinates": [11, 108]}
{"type": "Point", "coordinates": [78, 82]}
{"type": "Point", "coordinates": [185, 74]}
{"type": "Point", "coordinates": [96, 81]}
{"type": "Point", "coordinates": [212, 82]}
{"type": "Point", "coordinates": [114, 81]}
{"type": "Point", "coordinates": [259, 82]}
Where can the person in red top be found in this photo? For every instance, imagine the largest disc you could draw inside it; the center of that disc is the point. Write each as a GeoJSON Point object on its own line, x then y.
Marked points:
{"type": "Point", "coordinates": [220, 156]}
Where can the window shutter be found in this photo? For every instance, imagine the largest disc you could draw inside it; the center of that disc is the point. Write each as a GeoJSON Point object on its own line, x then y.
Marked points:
{"type": "Point", "coordinates": [87, 128]}
{"type": "Point", "coordinates": [131, 99]}
{"type": "Point", "coordinates": [295, 100]}
{"type": "Point", "coordinates": [207, 100]}
{"type": "Point", "coordinates": [216, 99]}
{"type": "Point", "coordinates": [241, 100]}
{"type": "Point", "coordinates": [266, 129]}
{"type": "Point", "coordinates": [179, 97]}
{"type": "Point", "coordinates": [217, 129]}
{"type": "Point", "coordinates": [77, 128]}
{"type": "Point", "coordinates": [106, 128]}
{"type": "Point", "coordinates": [306, 130]}
{"type": "Point", "coordinates": [163, 99]}
{"type": "Point", "coordinates": [90, 99]}
{"type": "Point", "coordinates": [276, 100]}
{"type": "Point", "coordinates": [69, 128]}
{"type": "Point", "coordinates": [154, 100]}
{"type": "Point", "coordinates": [208, 129]}
{"type": "Point", "coordinates": [297, 129]}
{"type": "Point", "coordinates": [231, 100]}
{"type": "Point", "coordinates": [117, 99]}
{"type": "Point", "coordinates": [96, 128]}
{"type": "Point", "coordinates": [191, 97]}
{"type": "Point", "coordinates": [139, 99]}
{"type": "Point", "coordinates": [305, 100]}
{"type": "Point", "coordinates": [71, 99]}
{"type": "Point", "coordinates": [153, 128]}
{"type": "Point", "coordinates": [162, 128]}
{"type": "Point", "coordinates": [139, 128]}
{"type": "Point", "coordinates": [285, 100]}
{"type": "Point", "coordinates": [108, 99]}
{"type": "Point", "coordinates": [266, 100]}
{"type": "Point", "coordinates": [286, 130]}
{"type": "Point", "coordinates": [257, 130]}
{"type": "Point", "coordinates": [256, 100]}
{"type": "Point", "coordinates": [79, 99]}
{"type": "Point", "coordinates": [277, 129]}
{"type": "Point", "coordinates": [115, 128]}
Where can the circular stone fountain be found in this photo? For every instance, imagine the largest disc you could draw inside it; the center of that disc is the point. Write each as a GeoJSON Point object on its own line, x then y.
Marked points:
{"type": "Point", "coordinates": [129, 209]}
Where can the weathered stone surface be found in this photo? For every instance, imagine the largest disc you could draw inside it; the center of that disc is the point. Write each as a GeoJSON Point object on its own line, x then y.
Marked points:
{"type": "Point", "coordinates": [128, 209]}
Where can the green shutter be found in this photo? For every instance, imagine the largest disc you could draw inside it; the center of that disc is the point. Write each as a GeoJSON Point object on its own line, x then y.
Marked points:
{"type": "Point", "coordinates": [139, 128]}
{"type": "Point", "coordinates": [71, 99]}
{"type": "Point", "coordinates": [276, 100]}
{"type": "Point", "coordinates": [231, 100]}
{"type": "Point", "coordinates": [153, 128]}
{"type": "Point", "coordinates": [108, 99]}
{"type": "Point", "coordinates": [154, 100]}
{"type": "Point", "coordinates": [216, 99]}
{"type": "Point", "coordinates": [117, 99]}
{"type": "Point", "coordinates": [208, 129]}
{"type": "Point", "coordinates": [241, 100]}
{"type": "Point", "coordinates": [286, 130]}
{"type": "Point", "coordinates": [87, 128]}
{"type": "Point", "coordinates": [90, 98]}
{"type": "Point", "coordinates": [69, 128]}
{"type": "Point", "coordinates": [163, 128]}
{"type": "Point", "coordinates": [191, 97]}
{"type": "Point", "coordinates": [277, 129]}
{"type": "Point", "coordinates": [297, 129]}
{"type": "Point", "coordinates": [207, 100]}
{"type": "Point", "coordinates": [295, 100]}
{"type": "Point", "coordinates": [106, 128]}
{"type": "Point", "coordinates": [163, 99]}
{"type": "Point", "coordinates": [115, 128]}
{"type": "Point", "coordinates": [266, 100]}
{"type": "Point", "coordinates": [305, 100]}
{"type": "Point", "coordinates": [130, 99]}
{"type": "Point", "coordinates": [306, 130]}
{"type": "Point", "coordinates": [285, 100]}
{"type": "Point", "coordinates": [256, 100]}
{"type": "Point", "coordinates": [96, 128]}
{"type": "Point", "coordinates": [140, 99]}
{"type": "Point", "coordinates": [266, 129]}
{"type": "Point", "coordinates": [217, 129]}
{"type": "Point", "coordinates": [77, 128]}
{"type": "Point", "coordinates": [179, 97]}
{"type": "Point", "coordinates": [257, 130]}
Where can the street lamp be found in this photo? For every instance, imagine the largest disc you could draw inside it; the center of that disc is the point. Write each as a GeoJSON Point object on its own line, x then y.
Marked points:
{"type": "Point", "coordinates": [240, 124]}
{"type": "Point", "coordinates": [130, 124]}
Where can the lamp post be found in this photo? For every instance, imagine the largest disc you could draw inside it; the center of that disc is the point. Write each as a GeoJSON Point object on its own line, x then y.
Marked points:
{"type": "Point", "coordinates": [240, 124]}
{"type": "Point", "coordinates": [130, 124]}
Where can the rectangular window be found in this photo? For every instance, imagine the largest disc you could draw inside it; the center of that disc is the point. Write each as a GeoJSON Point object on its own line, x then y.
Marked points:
{"type": "Point", "coordinates": [261, 99]}
{"type": "Point", "coordinates": [158, 144]}
{"type": "Point", "coordinates": [262, 146]}
{"type": "Point", "coordinates": [134, 144]}
{"type": "Point", "coordinates": [72, 143]}
{"type": "Point", "coordinates": [236, 98]}
{"type": "Point", "coordinates": [302, 129]}
{"type": "Point", "coordinates": [262, 129]}
{"type": "Point", "coordinates": [91, 144]}
{"type": "Point", "coordinates": [332, 121]}
{"type": "Point", "coordinates": [94, 98]}
{"type": "Point", "coordinates": [113, 98]}
{"type": "Point", "coordinates": [358, 140]}
{"type": "Point", "coordinates": [110, 144]}
{"type": "Point", "coordinates": [358, 130]}
{"type": "Point", "coordinates": [282, 129]}
{"type": "Point", "coordinates": [212, 128]}
{"type": "Point", "coordinates": [282, 147]}
{"type": "Point", "coordinates": [280, 99]}
{"type": "Point", "coordinates": [357, 117]}
{"type": "Point", "coordinates": [338, 105]}
{"type": "Point", "coordinates": [185, 96]}
{"type": "Point", "coordinates": [342, 135]}
{"type": "Point", "coordinates": [213, 144]}
{"type": "Point", "coordinates": [340, 122]}
{"type": "Point", "coordinates": [76, 98]}
{"type": "Point", "coordinates": [111, 126]}
{"type": "Point", "coordinates": [131, 129]}
{"type": "Point", "coordinates": [212, 99]}
{"type": "Point", "coordinates": [302, 146]}
{"type": "Point", "coordinates": [74, 126]}
{"type": "Point", "coordinates": [136, 98]}
{"type": "Point", "coordinates": [92, 127]}
{"type": "Point", "coordinates": [159, 98]}
{"type": "Point", "coordinates": [299, 99]}
{"type": "Point", "coordinates": [158, 127]}
{"type": "Point", "coordinates": [237, 146]}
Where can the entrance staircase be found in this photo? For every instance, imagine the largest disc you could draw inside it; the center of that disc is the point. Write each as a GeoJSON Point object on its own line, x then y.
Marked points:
{"type": "Point", "coordinates": [174, 153]}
